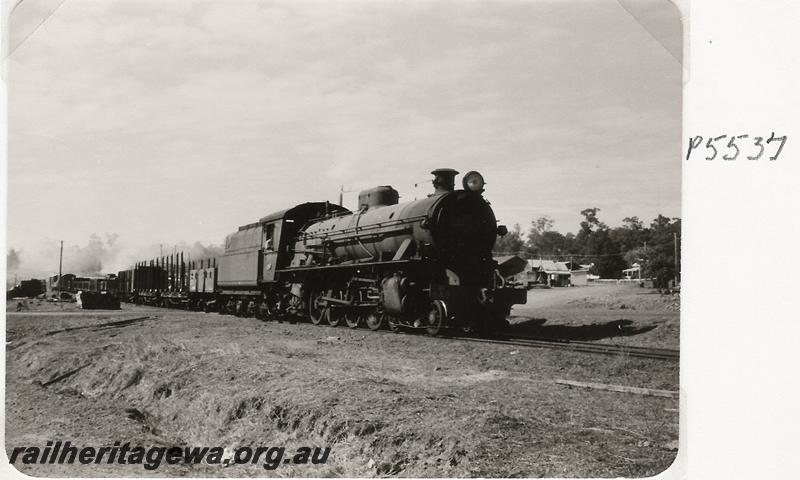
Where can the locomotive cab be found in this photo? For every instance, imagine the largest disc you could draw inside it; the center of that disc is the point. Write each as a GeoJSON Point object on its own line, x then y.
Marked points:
{"type": "Point", "coordinates": [258, 251]}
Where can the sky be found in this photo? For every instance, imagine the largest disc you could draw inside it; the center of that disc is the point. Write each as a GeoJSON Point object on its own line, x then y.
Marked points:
{"type": "Point", "coordinates": [156, 122]}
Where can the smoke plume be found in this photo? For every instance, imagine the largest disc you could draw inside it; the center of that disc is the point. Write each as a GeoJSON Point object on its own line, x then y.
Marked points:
{"type": "Point", "coordinates": [12, 260]}
{"type": "Point", "coordinates": [100, 255]}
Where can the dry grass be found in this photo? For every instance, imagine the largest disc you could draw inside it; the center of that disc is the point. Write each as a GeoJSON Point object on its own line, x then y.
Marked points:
{"type": "Point", "coordinates": [388, 405]}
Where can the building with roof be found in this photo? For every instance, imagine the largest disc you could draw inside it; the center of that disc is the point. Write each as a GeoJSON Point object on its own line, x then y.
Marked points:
{"type": "Point", "coordinates": [556, 274]}
{"type": "Point", "coordinates": [635, 272]}
{"type": "Point", "coordinates": [548, 272]}
{"type": "Point", "coordinates": [579, 278]}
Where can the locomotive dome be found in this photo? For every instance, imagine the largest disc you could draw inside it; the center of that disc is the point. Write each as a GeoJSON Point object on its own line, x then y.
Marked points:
{"type": "Point", "coordinates": [378, 197]}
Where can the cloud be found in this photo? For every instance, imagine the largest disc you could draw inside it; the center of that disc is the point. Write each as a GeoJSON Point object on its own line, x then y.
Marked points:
{"type": "Point", "coordinates": [172, 121]}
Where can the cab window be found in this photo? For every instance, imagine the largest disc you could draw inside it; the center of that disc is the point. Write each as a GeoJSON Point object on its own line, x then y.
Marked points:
{"type": "Point", "coordinates": [269, 241]}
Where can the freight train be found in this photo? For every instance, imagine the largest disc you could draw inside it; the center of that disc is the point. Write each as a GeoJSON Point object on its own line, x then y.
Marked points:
{"type": "Point", "coordinates": [425, 264]}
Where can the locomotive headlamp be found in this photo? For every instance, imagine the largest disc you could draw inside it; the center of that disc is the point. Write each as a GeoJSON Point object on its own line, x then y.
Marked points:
{"type": "Point", "coordinates": [473, 181]}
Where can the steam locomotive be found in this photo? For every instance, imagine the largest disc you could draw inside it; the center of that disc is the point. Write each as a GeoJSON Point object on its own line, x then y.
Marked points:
{"type": "Point", "coordinates": [425, 264]}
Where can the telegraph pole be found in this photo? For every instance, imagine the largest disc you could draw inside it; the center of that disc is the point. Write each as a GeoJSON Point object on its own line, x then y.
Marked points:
{"type": "Point", "coordinates": [641, 265]}
{"type": "Point", "coordinates": [342, 191]}
{"type": "Point", "coordinates": [677, 264]}
{"type": "Point", "coordinates": [60, 262]}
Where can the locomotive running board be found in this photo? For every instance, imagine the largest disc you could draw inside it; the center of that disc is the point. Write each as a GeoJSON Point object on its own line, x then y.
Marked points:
{"type": "Point", "coordinates": [343, 265]}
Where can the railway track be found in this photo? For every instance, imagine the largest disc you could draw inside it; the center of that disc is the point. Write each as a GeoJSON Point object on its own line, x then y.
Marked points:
{"type": "Point", "coordinates": [551, 343]}
{"type": "Point", "coordinates": [561, 344]}
{"type": "Point", "coordinates": [577, 346]}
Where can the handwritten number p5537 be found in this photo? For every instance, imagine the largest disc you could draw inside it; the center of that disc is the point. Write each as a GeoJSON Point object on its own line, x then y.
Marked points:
{"type": "Point", "coordinates": [754, 148]}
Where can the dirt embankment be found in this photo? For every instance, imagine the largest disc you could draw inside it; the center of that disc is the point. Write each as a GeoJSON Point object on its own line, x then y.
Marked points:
{"type": "Point", "coordinates": [386, 404]}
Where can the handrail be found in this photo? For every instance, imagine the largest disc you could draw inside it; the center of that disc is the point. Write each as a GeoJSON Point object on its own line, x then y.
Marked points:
{"type": "Point", "coordinates": [400, 223]}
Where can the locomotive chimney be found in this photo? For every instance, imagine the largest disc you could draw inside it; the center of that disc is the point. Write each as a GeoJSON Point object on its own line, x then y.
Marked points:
{"type": "Point", "coordinates": [444, 180]}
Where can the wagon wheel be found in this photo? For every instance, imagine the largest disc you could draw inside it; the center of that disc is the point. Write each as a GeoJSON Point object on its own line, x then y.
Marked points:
{"type": "Point", "coordinates": [291, 307]}
{"type": "Point", "coordinates": [262, 310]}
{"type": "Point", "coordinates": [352, 314]}
{"type": "Point", "coordinates": [373, 320]}
{"type": "Point", "coordinates": [317, 307]}
{"type": "Point", "coordinates": [251, 309]}
{"type": "Point", "coordinates": [352, 317]}
{"type": "Point", "coordinates": [394, 325]}
{"type": "Point", "coordinates": [335, 316]}
{"type": "Point", "coordinates": [272, 305]}
{"type": "Point", "coordinates": [436, 316]}
{"type": "Point", "coordinates": [336, 313]}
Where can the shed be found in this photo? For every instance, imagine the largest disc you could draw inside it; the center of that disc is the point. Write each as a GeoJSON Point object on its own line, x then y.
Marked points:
{"type": "Point", "coordinates": [579, 278]}
{"type": "Point", "coordinates": [634, 272]}
{"type": "Point", "coordinates": [548, 272]}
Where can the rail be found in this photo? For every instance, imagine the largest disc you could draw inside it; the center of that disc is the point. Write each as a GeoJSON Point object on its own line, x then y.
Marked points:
{"type": "Point", "coordinates": [578, 346]}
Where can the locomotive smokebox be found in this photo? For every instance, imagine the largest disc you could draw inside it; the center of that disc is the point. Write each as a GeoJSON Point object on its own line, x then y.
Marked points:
{"type": "Point", "coordinates": [377, 197]}
{"type": "Point", "coordinates": [444, 180]}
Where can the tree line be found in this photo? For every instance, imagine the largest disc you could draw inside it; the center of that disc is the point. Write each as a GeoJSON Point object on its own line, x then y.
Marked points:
{"type": "Point", "coordinates": [609, 250]}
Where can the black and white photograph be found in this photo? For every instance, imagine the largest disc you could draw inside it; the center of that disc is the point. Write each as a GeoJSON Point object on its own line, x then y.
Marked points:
{"type": "Point", "coordinates": [351, 238]}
